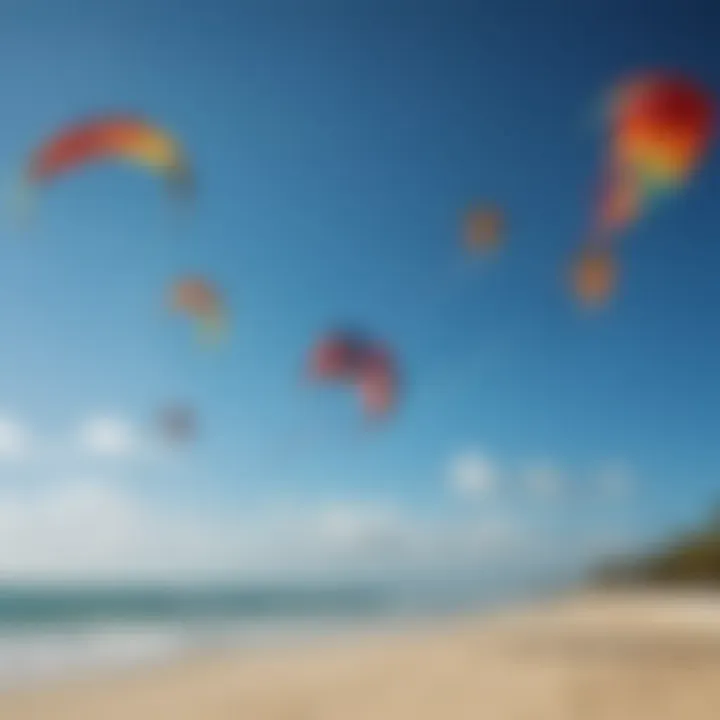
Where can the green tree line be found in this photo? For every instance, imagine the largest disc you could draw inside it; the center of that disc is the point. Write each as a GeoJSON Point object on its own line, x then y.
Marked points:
{"type": "Point", "coordinates": [692, 559]}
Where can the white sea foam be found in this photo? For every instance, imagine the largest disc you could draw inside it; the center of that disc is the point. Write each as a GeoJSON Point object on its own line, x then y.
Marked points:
{"type": "Point", "coordinates": [29, 656]}
{"type": "Point", "coordinates": [33, 656]}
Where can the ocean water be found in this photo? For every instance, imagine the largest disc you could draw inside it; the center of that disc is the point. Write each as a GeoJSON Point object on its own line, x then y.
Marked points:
{"type": "Point", "coordinates": [53, 633]}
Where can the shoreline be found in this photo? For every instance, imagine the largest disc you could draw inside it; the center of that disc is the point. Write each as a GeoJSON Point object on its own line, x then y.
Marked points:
{"type": "Point", "coordinates": [36, 655]}
{"type": "Point", "coordinates": [652, 655]}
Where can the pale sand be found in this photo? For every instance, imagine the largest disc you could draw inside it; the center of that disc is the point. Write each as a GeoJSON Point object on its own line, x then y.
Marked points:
{"type": "Point", "coordinates": [591, 658]}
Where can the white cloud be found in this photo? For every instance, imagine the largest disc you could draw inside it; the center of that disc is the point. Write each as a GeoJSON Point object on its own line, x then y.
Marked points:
{"type": "Point", "coordinates": [544, 480]}
{"type": "Point", "coordinates": [95, 529]}
{"type": "Point", "coordinates": [472, 474]}
{"type": "Point", "coordinates": [349, 524]}
{"type": "Point", "coordinates": [14, 439]}
{"type": "Point", "coordinates": [71, 529]}
{"type": "Point", "coordinates": [107, 436]}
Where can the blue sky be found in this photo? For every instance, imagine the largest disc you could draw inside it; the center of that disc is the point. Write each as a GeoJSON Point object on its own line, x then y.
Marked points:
{"type": "Point", "coordinates": [336, 146]}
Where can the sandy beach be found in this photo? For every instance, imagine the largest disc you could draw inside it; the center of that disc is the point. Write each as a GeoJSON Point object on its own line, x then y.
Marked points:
{"type": "Point", "coordinates": [629, 657]}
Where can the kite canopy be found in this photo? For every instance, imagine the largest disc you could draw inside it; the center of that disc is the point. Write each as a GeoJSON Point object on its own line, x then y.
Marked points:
{"type": "Point", "coordinates": [199, 300]}
{"type": "Point", "coordinates": [113, 137]}
{"type": "Point", "coordinates": [484, 227]}
{"type": "Point", "coordinates": [349, 357]}
{"type": "Point", "coordinates": [178, 423]}
{"type": "Point", "coordinates": [594, 276]}
{"type": "Point", "coordinates": [661, 127]}
{"type": "Point", "coordinates": [662, 124]}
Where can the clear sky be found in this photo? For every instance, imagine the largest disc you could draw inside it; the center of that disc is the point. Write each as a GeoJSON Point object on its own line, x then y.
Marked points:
{"type": "Point", "coordinates": [336, 145]}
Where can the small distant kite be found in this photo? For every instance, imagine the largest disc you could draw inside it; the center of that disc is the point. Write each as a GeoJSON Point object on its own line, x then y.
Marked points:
{"type": "Point", "coordinates": [199, 300]}
{"type": "Point", "coordinates": [594, 276]}
{"type": "Point", "coordinates": [345, 356]}
{"type": "Point", "coordinates": [485, 227]}
{"type": "Point", "coordinates": [113, 137]}
{"type": "Point", "coordinates": [178, 423]}
{"type": "Point", "coordinates": [661, 127]}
